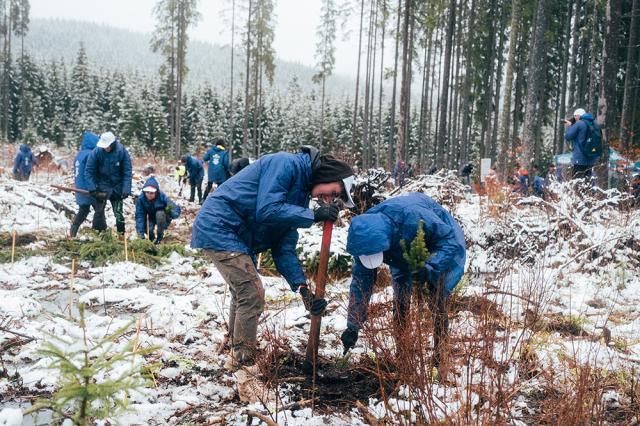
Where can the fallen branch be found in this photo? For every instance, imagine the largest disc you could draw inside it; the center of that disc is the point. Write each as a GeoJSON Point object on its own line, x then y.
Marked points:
{"type": "Point", "coordinates": [6, 330]}
{"type": "Point", "coordinates": [368, 417]}
{"type": "Point", "coordinates": [69, 212]}
{"type": "Point", "coordinates": [262, 417]}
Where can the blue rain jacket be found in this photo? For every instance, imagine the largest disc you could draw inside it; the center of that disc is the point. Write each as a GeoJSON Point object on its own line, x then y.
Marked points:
{"type": "Point", "coordinates": [146, 210]}
{"type": "Point", "coordinates": [218, 160]}
{"type": "Point", "coordinates": [194, 169]}
{"type": "Point", "coordinates": [260, 208]}
{"type": "Point", "coordinates": [578, 134]}
{"type": "Point", "coordinates": [89, 141]}
{"type": "Point", "coordinates": [109, 172]}
{"type": "Point", "coordinates": [382, 228]}
{"type": "Point", "coordinates": [23, 163]}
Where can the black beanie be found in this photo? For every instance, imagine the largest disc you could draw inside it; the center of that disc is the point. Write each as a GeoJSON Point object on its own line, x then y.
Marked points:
{"type": "Point", "coordinates": [330, 170]}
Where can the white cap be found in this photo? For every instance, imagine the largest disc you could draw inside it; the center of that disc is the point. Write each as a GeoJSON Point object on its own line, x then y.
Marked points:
{"type": "Point", "coordinates": [106, 139]}
{"type": "Point", "coordinates": [150, 189]}
{"type": "Point", "coordinates": [579, 112]}
{"type": "Point", "coordinates": [371, 261]}
{"type": "Point", "coordinates": [348, 183]}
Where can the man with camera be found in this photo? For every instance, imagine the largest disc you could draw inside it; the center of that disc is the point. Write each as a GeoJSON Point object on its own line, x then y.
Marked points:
{"type": "Point", "coordinates": [584, 134]}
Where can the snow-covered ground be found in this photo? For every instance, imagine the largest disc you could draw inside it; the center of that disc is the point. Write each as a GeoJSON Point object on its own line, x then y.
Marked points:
{"type": "Point", "coordinates": [559, 278]}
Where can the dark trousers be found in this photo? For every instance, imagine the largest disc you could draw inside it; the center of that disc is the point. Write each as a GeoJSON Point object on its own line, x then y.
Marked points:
{"type": "Point", "coordinates": [99, 219]}
{"type": "Point", "coordinates": [81, 216]}
{"type": "Point", "coordinates": [208, 189]}
{"type": "Point", "coordinates": [196, 186]}
{"type": "Point", "coordinates": [156, 225]}
{"type": "Point", "coordinates": [581, 172]}
{"type": "Point", "coordinates": [437, 302]}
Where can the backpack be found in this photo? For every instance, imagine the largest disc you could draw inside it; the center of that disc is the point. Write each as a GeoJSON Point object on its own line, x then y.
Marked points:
{"type": "Point", "coordinates": [593, 144]}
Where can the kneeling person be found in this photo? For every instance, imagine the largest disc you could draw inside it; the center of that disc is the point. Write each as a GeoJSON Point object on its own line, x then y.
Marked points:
{"type": "Point", "coordinates": [374, 238]}
{"type": "Point", "coordinates": [154, 211]}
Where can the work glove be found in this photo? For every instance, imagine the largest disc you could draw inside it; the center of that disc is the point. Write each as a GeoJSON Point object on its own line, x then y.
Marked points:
{"type": "Point", "coordinates": [125, 195]}
{"type": "Point", "coordinates": [311, 304]}
{"type": "Point", "coordinates": [327, 211]}
{"type": "Point", "coordinates": [349, 338]}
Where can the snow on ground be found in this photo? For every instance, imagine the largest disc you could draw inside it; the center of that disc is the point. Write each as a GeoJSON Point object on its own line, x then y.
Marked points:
{"type": "Point", "coordinates": [559, 257]}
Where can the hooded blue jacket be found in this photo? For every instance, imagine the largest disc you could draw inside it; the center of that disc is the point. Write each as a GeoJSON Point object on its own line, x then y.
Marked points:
{"type": "Point", "coordinates": [260, 208]}
{"type": "Point", "coordinates": [578, 134]}
{"type": "Point", "coordinates": [146, 210]}
{"type": "Point", "coordinates": [89, 141]}
{"type": "Point", "coordinates": [194, 169]}
{"type": "Point", "coordinates": [109, 172]}
{"type": "Point", "coordinates": [24, 160]}
{"type": "Point", "coordinates": [218, 160]}
{"type": "Point", "coordinates": [382, 228]}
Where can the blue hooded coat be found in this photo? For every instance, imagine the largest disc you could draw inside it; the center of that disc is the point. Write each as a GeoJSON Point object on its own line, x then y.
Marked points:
{"type": "Point", "coordinates": [89, 141]}
{"type": "Point", "coordinates": [24, 160]}
{"type": "Point", "coordinates": [578, 134]}
{"type": "Point", "coordinates": [194, 169]}
{"type": "Point", "coordinates": [109, 172]}
{"type": "Point", "coordinates": [218, 160]}
{"type": "Point", "coordinates": [382, 228]}
{"type": "Point", "coordinates": [146, 210]}
{"type": "Point", "coordinates": [260, 208]}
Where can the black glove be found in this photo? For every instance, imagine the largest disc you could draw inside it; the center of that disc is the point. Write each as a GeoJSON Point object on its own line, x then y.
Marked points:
{"type": "Point", "coordinates": [125, 195]}
{"type": "Point", "coordinates": [311, 304]}
{"type": "Point", "coordinates": [328, 211]}
{"type": "Point", "coordinates": [349, 339]}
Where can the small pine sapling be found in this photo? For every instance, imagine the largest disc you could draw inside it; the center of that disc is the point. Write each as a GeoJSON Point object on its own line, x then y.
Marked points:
{"type": "Point", "coordinates": [417, 254]}
{"type": "Point", "coordinates": [95, 378]}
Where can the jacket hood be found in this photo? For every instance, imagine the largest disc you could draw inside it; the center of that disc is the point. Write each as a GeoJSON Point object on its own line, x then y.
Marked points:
{"type": "Point", "coordinates": [89, 140]}
{"type": "Point", "coordinates": [369, 234]}
{"type": "Point", "coordinates": [218, 148]}
{"type": "Point", "coordinates": [587, 117]}
{"type": "Point", "coordinates": [314, 155]}
{"type": "Point", "coordinates": [24, 148]}
{"type": "Point", "coordinates": [152, 182]}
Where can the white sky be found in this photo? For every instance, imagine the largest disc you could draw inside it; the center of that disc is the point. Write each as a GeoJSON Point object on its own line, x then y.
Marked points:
{"type": "Point", "coordinates": [295, 35]}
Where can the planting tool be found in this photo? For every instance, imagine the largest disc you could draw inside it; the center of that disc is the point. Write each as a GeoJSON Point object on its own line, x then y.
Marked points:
{"type": "Point", "coordinates": [70, 189]}
{"type": "Point", "coordinates": [310, 363]}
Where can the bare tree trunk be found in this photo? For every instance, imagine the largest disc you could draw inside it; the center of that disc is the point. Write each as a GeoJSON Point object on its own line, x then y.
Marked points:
{"type": "Point", "coordinates": [230, 119]}
{"type": "Point", "coordinates": [442, 125]}
{"type": "Point", "coordinates": [535, 77]}
{"type": "Point", "coordinates": [607, 107]}
{"type": "Point", "coordinates": [406, 81]}
{"type": "Point", "coordinates": [630, 78]}
{"type": "Point", "coordinates": [466, 91]}
{"type": "Point", "coordinates": [574, 54]}
{"type": "Point", "coordinates": [366, 142]}
{"type": "Point", "coordinates": [380, 93]}
{"type": "Point", "coordinates": [592, 101]}
{"type": "Point", "coordinates": [559, 139]}
{"type": "Point", "coordinates": [355, 101]}
{"type": "Point", "coordinates": [493, 124]}
{"type": "Point", "coordinates": [392, 131]}
{"type": "Point", "coordinates": [423, 103]}
{"type": "Point", "coordinates": [245, 128]}
{"type": "Point", "coordinates": [516, 13]}
{"type": "Point", "coordinates": [179, 73]}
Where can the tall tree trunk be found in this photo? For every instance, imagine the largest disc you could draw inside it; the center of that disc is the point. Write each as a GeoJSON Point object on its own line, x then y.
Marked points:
{"type": "Point", "coordinates": [230, 113]}
{"type": "Point", "coordinates": [535, 80]}
{"type": "Point", "coordinates": [405, 82]}
{"type": "Point", "coordinates": [355, 101]}
{"type": "Point", "coordinates": [630, 78]}
{"type": "Point", "coordinates": [392, 130]}
{"type": "Point", "coordinates": [366, 141]}
{"type": "Point", "coordinates": [466, 90]}
{"type": "Point", "coordinates": [503, 164]}
{"type": "Point", "coordinates": [574, 54]}
{"type": "Point", "coordinates": [423, 104]}
{"type": "Point", "coordinates": [559, 140]}
{"type": "Point", "coordinates": [245, 128]}
{"type": "Point", "coordinates": [493, 124]}
{"type": "Point", "coordinates": [380, 90]}
{"type": "Point", "coordinates": [591, 102]}
{"type": "Point", "coordinates": [179, 75]}
{"type": "Point", "coordinates": [442, 125]}
{"type": "Point", "coordinates": [607, 107]}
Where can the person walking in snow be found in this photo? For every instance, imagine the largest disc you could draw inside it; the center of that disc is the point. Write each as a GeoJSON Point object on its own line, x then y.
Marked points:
{"type": "Point", "coordinates": [195, 174]}
{"type": "Point", "coordinates": [23, 163]}
{"type": "Point", "coordinates": [108, 177]}
{"type": "Point", "coordinates": [260, 209]}
{"type": "Point", "coordinates": [375, 238]}
{"type": "Point", "coordinates": [154, 212]}
{"type": "Point", "coordinates": [218, 161]}
{"type": "Point", "coordinates": [578, 133]}
{"type": "Point", "coordinates": [84, 201]}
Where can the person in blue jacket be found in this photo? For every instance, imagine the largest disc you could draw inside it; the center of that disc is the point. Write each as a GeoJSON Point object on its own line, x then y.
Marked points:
{"type": "Point", "coordinates": [195, 173]}
{"type": "Point", "coordinates": [261, 208]}
{"type": "Point", "coordinates": [108, 177]}
{"type": "Point", "coordinates": [218, 160]}
{"type": "Point", "coordinates": [84, 201]}
{"type": "Point", "coordinates": [154, 212]}
{"type": "Point", "coordinates": [375, 238]}
{"type": "Point", "coordinates": [23, 163]}
{"type": "Point", "coordinates": [577, 134]}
